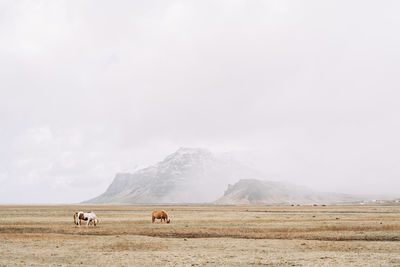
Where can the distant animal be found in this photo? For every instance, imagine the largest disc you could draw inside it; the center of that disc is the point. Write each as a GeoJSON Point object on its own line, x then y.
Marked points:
{"type": "Point", "coordinates": [162, 215]}
{"type": "Point", "coordinates": [86, 216]}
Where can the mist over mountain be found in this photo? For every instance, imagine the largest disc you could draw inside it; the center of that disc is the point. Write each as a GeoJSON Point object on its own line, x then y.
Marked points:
{"type": "Point", "coordinates": [195, 175]}
{"type": "Point", "coordinates": [258, 192]}
{"type": "Point", "coordinates": [190, 175]}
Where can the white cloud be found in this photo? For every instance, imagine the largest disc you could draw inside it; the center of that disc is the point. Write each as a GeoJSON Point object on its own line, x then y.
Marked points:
{"type": "Point", "coordinates": [91, 88]}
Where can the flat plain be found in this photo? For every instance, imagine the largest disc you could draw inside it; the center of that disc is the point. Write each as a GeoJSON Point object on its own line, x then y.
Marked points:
{"type": "Point", "coordinates": [202, 236]}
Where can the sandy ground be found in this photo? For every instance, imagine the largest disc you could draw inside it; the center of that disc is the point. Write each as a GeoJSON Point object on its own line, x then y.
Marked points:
{"type": "Point", "coordinates": [201, 235]}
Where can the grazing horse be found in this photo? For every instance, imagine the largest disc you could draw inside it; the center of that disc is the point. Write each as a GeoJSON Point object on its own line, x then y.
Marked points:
{"type": "Point", "coordinates": [162, 215]}
{"type": "Point", "coordinates": [86, 216]}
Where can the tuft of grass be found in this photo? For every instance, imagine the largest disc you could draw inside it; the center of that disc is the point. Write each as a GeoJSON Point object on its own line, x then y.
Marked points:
{"type": "Point", "coordinates": [132, 246]}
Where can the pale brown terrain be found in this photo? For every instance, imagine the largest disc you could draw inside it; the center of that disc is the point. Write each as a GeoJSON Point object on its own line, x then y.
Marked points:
{"type": "Point", "coordinates": [202, 235]}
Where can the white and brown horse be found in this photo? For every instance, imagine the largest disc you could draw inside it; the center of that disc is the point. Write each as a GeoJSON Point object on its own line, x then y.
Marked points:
{"type": "Point", "coordinates": [162, 215]}
{"type": "Point", "coordinates": [86, 216]}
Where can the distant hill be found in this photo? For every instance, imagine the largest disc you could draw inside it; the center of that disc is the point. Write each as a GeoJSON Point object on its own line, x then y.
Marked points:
{"type": "Point", "coordinates": [258, 192]}
{"type": "Point", "coordinates": [190, 175]}
{"type": "Point", "coordinates": [195, 175]}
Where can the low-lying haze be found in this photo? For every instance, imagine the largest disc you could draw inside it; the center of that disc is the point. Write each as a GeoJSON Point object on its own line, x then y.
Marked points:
{"type": "Point", "coordinates": [307, 91]}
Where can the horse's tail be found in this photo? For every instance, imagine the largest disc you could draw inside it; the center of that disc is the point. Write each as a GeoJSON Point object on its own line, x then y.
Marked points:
{"type": "Point", "coordinates": [76, 218]}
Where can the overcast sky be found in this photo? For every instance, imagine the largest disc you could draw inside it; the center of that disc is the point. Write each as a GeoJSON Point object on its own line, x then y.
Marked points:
{"type": "Point", "coordinates": [91, 88]}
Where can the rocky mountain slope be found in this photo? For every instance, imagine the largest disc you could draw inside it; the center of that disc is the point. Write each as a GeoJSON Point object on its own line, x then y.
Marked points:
{"type": "Point", "coordinates": [258, 192]}
{"type": "Point", "coordinates": [190, 175]}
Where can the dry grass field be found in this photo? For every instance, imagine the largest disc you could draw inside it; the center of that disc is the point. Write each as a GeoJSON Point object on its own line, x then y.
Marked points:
{"type": "Point", "coordinates": [201, 235]}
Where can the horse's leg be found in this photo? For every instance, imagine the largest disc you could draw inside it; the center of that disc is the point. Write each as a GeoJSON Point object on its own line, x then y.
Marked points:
{"type": "Point", "coordinates": [153, 219]}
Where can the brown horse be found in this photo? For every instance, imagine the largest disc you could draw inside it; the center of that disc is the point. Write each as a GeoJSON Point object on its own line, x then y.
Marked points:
{"type": "Point", "coordinates": [162, 215]}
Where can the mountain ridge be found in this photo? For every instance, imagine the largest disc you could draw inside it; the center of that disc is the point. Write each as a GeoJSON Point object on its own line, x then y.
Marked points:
{"type": "Point", "coordinates": [263, 192]}
{"type": "Point", "coordinates": [189, 175]}
{"type": "Point", "coordinates": [195, 175]}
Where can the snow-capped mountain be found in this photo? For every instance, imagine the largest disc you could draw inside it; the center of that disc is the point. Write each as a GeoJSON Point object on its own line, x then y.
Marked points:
{"type": "Point", "coordinates": [195, 175]}
{"type": "Point", "coordinates": [190, 175]}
